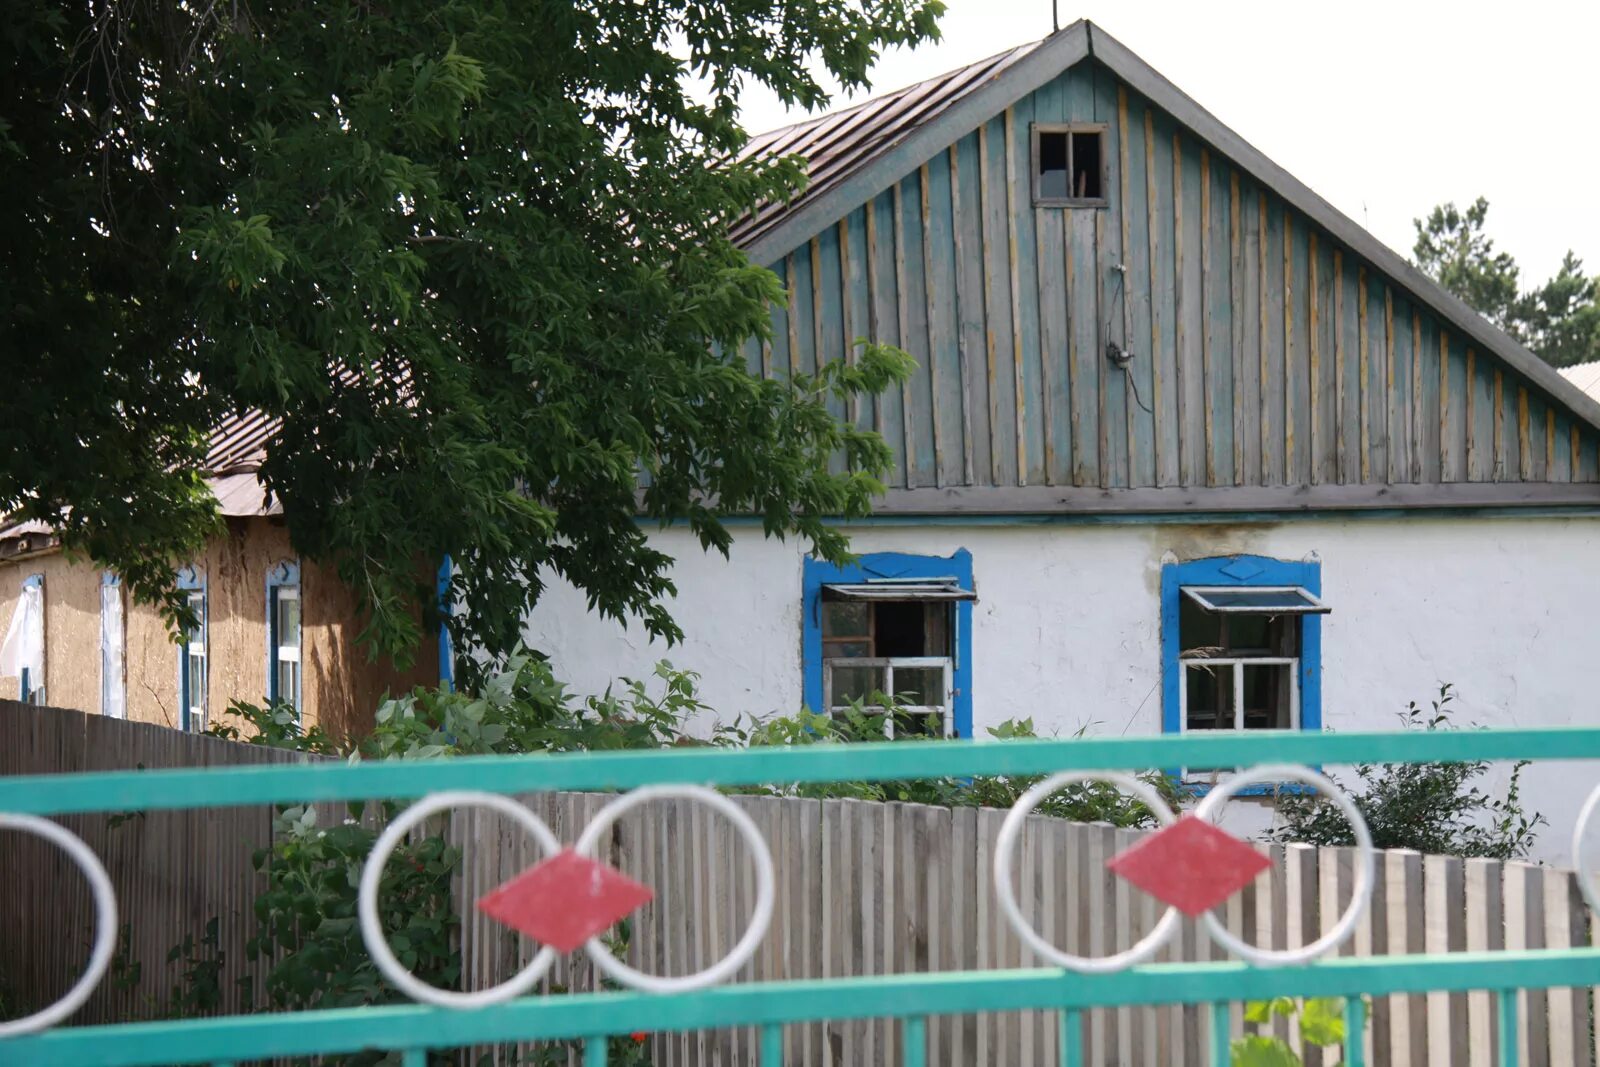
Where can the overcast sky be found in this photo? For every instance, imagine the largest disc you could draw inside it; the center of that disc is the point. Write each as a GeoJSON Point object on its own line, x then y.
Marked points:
{"type": "Point", "coordinates": [1385, 109]}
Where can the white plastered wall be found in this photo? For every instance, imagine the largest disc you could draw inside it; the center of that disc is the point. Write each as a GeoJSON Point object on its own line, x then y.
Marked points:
{"type": "Point", "coordinates": [1066, 628]}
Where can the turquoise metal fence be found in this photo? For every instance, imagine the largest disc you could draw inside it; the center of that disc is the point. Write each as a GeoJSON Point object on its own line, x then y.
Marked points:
{"type": "Point", "coordinates": [597, 1019]}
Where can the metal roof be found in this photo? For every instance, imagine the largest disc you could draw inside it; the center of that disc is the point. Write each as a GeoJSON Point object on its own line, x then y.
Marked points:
{"type": "Point", "coordinates": [835, 145]}
{"type": "Point", "coordinates": [1585, 376]}
{"type": "Point", "coordinates": [239, 443]}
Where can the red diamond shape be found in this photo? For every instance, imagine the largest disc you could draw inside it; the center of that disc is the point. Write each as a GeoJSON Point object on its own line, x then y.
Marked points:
{"type": "Point", "coordinates": [1191, 865]}
{"type": "Point", "coordinates": [565, 900]}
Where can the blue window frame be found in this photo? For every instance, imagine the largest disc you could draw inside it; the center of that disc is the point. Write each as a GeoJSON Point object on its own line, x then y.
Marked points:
{"type": "Point", "coordinates": [1226, 574]}
{"type": "Point", "coordinates": [284, 635]}
{"type": "Point", "coordinates": [193, 676]}
{"type": "Point", "coordinates": [882, 570]}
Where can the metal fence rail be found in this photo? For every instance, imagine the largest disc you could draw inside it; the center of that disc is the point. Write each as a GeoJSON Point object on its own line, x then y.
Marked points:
{"type": "Point", "coordinates": [597, 1018]}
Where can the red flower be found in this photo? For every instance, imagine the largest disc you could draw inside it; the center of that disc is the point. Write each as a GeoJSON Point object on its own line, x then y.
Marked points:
{"type": "Point", "coordinates": [639, 1036]}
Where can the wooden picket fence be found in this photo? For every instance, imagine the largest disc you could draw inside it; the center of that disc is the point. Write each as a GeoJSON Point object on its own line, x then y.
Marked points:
{"type": "Point", "coordinates": [864, 888]}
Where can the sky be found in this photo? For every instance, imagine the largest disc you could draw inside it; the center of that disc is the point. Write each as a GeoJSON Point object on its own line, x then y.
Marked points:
{"type": "Point", "coordinates": [1384, 109]}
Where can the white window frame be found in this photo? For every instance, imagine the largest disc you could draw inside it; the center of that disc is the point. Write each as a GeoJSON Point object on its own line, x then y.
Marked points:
{"type": "Point", "coordinates": [113, 648]}
{"type": "Point", "coordinates": [282, 653]}
{"type": "Point", "coordinates": [1201, 595]}
{"type": "Point", "coordinates": [195, 711]}
{"type": "Point", "coordinates": [1238, 664]}
{"type": "Point", "coordinates": [889, 664]}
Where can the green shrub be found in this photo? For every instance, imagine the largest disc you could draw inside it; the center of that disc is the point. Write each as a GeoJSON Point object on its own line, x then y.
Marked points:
{"type": "Point", "coordinates": [1434, 808]}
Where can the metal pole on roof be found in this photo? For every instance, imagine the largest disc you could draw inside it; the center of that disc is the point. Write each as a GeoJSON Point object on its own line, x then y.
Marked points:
{"type": "Point", "coordinates": [1055, 17]}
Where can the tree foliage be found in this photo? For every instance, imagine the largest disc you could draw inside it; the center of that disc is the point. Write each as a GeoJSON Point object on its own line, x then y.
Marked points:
{"type": "Point", "coordinates": [473, 255]}
{"type": "Point", "coordinates": [1438, 809]}
{"type": "Point", "coordinates": [1559, 320]}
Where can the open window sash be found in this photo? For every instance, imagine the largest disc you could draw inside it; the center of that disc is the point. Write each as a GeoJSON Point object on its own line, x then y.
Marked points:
{"type": "Point", "coordinates": [1256, 600]}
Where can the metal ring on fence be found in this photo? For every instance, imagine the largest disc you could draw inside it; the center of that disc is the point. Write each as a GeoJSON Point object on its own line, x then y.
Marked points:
{"type": "Point", "coordinates": [105, 922]}
{"type": "Point", "coordinates": [1585, 877]}
{"type": "Point", "coordinates": [1366, 865]}
{"type": "Point", "coordinates": [766, 889]}
{"type": "Point", "coordinates": [1006, 844]}
{"type": "Point", "coordinates": [367, 901]}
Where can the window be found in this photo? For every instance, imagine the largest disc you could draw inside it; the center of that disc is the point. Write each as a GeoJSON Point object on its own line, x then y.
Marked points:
{"type": "Point", "coordinates": [22, 652]}
{"type": "Point", "coordinates": [1241, 644]}
{"type": "Point", "coordinates": [192, 659]}
{"type": "Point", "coordinates": [113, 681]}
{"type": "Point", "coordinates": [1069, 165]}
{"type": "Point", "coordinates": [896, 626]}
{"type": "Point", "coordinates": [283, 635]}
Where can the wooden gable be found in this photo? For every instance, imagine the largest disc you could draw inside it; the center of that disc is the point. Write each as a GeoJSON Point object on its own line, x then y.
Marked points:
{"type": "Point", "coordinates": [1281, 357]}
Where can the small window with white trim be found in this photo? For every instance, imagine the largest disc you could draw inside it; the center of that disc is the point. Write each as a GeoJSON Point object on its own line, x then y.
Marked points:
{"type": "Point", "coordinates": [891, 642]}
{"type": "Point", "coordinates": [113, 679]}
{"type": "Point", "coordinates": [284, 636]}
{"type": "Point", "coordinates": [1069, 164]}
{"type": "Point", "coordinates": [1239, 659]}
{"type": "Point", "coordinates": [193, 673]}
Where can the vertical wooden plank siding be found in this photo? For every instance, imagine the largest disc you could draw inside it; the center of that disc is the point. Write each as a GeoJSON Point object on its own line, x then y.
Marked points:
{"type": "Point", "coordinates": [792, 281]}
{"type": "Point", "coordinates": [1416, 394]}
{"type": "Point", "coordinates": [1206, 374]}
{"type": "Point", "coordinates": [1339, 406]}
{"type": "Point", "coordinates": [996, 475]}
{"type": "Point", "coordinates": [1157, 300]}
{"type": "Point", "coordinates": [1363, 339]}
{"type": "Point", "coordinates": [1499, 426]}
{"type": "Point", "coordinates": [1524, 443]}
{"type": "Point", "coordinates": [1390, 438]}
{"type": "Point", "coordinates": [1124, 211]}
{"type": "Point", "coordinates": [846, 277]}
{"type": "Point", "coordinates": [1264, 427]}
{"type": "Point", "coordinates": [1471, 417]}
{"type": "Point", "coordinates": [1289, 389]}
{"type": "Point", "coordinates": [901, 312]}
{"type": "Point", "coordinates": [1110, 288]}
{"type": "Point", "coordinates": [1184, 460]}
{"type": "Point", "coordinates": [1016, 304]}
{"type": "Point", "coordinates": [1053, 274]}
{"type": "Point", "coordinates": [1447, 468]}
{"type": "Point", "coordinates": [963, 312]}
{"type": "Point", "coordinates": [1236, 320]}
{"type": "Point", "coordinates": [1314, 354]}
{"type": "Point", "coordinates": [933, 303]}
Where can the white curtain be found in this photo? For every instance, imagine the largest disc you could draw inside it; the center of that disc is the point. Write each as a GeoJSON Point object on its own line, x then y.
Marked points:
{"type": "Point", "coordinates": [111, 680]}
{"type": "Point", "coordinates": [24, 644]}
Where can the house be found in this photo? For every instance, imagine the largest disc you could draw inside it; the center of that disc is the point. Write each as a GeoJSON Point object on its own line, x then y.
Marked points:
{"type": "Point", "coordinates": [271, 626]}
{"type": "Point", "coordinates": [1186, 448]}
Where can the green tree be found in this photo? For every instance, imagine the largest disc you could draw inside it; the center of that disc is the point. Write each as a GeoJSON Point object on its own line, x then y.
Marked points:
{"type": "Point", "coordinates": [1559, 320]}
{"type": "Point", "coordinates": [474, 257]}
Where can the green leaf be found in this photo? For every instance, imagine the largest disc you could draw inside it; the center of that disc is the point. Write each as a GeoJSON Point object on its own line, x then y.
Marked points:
{"type": "Point", "coordinates": [1322, 1021]}
{"type": "Point", "coordinates": [1256, 1050]}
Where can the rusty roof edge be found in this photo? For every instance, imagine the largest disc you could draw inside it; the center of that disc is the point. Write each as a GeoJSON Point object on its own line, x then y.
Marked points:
{"type": "Point", "coordinates": [1155, 87]}
{"type": "Point", "coordinates": [879, 169]}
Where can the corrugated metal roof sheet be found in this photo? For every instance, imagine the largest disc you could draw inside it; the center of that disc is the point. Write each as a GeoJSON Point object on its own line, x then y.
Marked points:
{"type": "Point", "coordinates": [835, 145]}
{"type": "Point", "coordinates": [239, 443]}
{"type": "Point", "coordinates": [1585, 376]}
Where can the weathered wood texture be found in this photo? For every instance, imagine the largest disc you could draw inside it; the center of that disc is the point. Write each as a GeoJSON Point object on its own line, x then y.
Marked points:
{"type": "Point", "coordinates": [863, 888]}
{"type": "Point", "coordinates": [1265, 352]}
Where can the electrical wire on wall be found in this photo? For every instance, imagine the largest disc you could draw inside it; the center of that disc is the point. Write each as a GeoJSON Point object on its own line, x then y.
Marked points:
{"type": "Point", "coordinates": [1121, 357]}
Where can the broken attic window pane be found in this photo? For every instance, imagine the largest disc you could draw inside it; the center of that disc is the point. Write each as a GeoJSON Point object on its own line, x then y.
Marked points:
{"type": "Point", "coordinates": [1052, 165]}
{"type": "Point", "coordinates": [1086, 183]}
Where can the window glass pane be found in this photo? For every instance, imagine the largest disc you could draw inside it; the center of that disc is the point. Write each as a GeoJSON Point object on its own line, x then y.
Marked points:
{"type": "Point", "coordinates": [919, 686]}
{"type": "Point", "coordinates": [1086, 166]}
{"type": "Point", "coordinates": [1197, 628]}
{"type": "Point", "coordinates": [1052, 165]}
{"type": "Point", "coordinates": [917, 726]}
{"type": "Point", "coordinates": [845, 618]}
{"type": "Point", "coordinates": [197, 692]}
{"type": "Point", "coordinates": [289, 682]}
{"type": "Point", "coordinates": [846, 649]}
{"type": "Point", "coordinates": [1210, 697]}
{"type": "Point", "coordinates": [1268, 696]}
{"type": "Point", "coordinates": [855, 683]}
{"type": "Point", "coordinates": [1264, 600]}
{"type": "Point", "coordinates": [288, 621]}
{"type": "Point", "coordinates": [197, 604]}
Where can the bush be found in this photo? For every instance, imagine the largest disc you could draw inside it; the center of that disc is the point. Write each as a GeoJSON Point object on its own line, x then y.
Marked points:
{"type": "Point", "coordinates": [1434, 808]}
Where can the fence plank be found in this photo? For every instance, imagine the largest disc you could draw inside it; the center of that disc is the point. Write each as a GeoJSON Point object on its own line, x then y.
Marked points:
{"type": "Point", "coordinates": [1402, 875]}
{"type": "Point", "coordinates": [1446, 909]}
{"type": "Point", "coordinates": [1485, 933]}
{"type": "Point", "coordinates": [1524, 909]}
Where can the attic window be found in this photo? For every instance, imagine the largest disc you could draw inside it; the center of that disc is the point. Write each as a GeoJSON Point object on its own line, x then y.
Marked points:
{"type": "Point", "coordinates": [1069, 165]}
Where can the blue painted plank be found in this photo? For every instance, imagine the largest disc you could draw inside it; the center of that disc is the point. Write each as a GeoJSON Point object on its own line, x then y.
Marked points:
{"type": "Point", "coordinates": [1325, 455]}
{"type": "Point", "coordinates": [1401, 407]}
{"type": "Point", "coordinates": [1051, 226]}
{"type": "Point", "coordinates": [1027, 289]}
{"type": "Point", "coordinates": [974, 381]}
{"type": "Point", "coordinates": [780, 322]}
{"type": "Point", "coordinates": [1219, 321]}
{"type": "Point", "coordinates": [1112, 315]}
{"type": "Point", "coordinates": [920, 467]}
{"type": "Point", "coordinates": [858, 319]}
{"type": "Point", "coordinates": [1298, 352]}
{"type": "Point", "coordinates": [1377, 389]}
{"type": "Point", "coordinates": [943, 324]}
{"type": "Point", "coordinates": [1137, 291]}
{"type": "Point", "coordinates": [1251, 366]}
{"type": "Point", "coordinates": [999, 355]}
{"type": "Point", "coordinates": [886, 323]}
{"type": "Point", "coordinates": [1191, 321]}
{"type": "Point", "coordinates": [828, 317]}
{"type": "Point", "coordinates": [803, 356]}
{"type": "Point", "coordinates": [1164, 394]}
